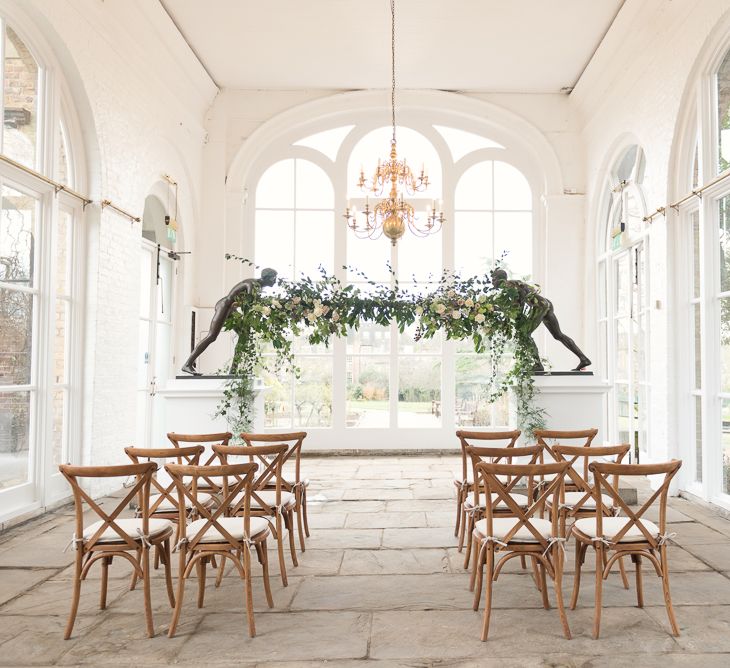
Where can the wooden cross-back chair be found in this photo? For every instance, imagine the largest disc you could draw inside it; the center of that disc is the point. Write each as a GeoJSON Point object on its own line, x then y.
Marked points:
{"type": "Point", "coordinates": [474, 508]}
{"type": "Point", "coordinates": [268, 498]}
{"type": "Point", "coordinates": [525, 534]}
{"type": "Point", "coordinates": [163, 498]}
{"type": "Point", "coordinates": [293, 482]}
{"type": "Point", "coordinates": [549, 438]}
{"type": "Point", "coordinates": [112, 536]}
{"type": "Point", "coordinates": [208, 458]}
{"type": "Point", "coordinates": [215, 534]}
{"type": "Point", "coordinates": [580, 501]}
{"type": "Point", "coordinates": [465, 483]}
{"type": "Point", "coordinates": [632, 535]}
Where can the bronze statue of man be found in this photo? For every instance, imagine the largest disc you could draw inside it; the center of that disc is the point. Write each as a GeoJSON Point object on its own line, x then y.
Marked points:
{"type": "Point", "coordinates": [223, 309]}
{"type": "Point", "coordinates": [539, 309]}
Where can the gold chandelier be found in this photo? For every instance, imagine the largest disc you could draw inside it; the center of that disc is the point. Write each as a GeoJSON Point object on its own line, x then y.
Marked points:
{"type": "Point", "coordinates": [391, 216]}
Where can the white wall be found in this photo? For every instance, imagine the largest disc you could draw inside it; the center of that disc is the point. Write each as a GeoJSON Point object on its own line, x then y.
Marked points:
{"type": "Point", "coordinates": [142, 98]}
{"type": "Point", "coordinates": [633, 91]}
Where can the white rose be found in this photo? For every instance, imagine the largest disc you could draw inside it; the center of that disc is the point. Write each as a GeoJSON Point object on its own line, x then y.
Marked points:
{"type": "Point", "coordinates": [325, 309]}
{"type": "Point", "coordinates": [335, 316]}
{"type": "Point", "coordinates": [456, 314]}
{"type": "Point", "coordinates": [318, 311]}
{"type": "Point", "coordinates": [419, 310]}
{"type": "Point", "coordinates": [479, 317]}
{"type": "Point", "coordinates": [469, 303]}
{"type": "Point", "coordinates": [451, 293]}
{"type": "Point", "coordinates": [440, 309]}
{"type": "Point", "coordinates": [311, 317]}
{"type": "Point", "coordinates": [266, 310]}
{"type": "Point", "coordinates": [275, 303]}
{"type": "Point", "coordinates": [296, 300]}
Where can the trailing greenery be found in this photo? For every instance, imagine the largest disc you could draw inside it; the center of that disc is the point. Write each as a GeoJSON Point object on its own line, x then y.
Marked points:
{"type": "Point", "coordinates": [494, 319]}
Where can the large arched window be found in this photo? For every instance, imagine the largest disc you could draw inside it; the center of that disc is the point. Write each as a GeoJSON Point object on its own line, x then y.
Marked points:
{"type": "Point", "coordinates": [623, 313]}
{"type": "Point", "coordinates": [39, 278]}
{"type": "Point", "coordinates": [378, 378]}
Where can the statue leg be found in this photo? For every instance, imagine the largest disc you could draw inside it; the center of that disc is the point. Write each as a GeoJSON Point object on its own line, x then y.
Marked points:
{"type": "Point", "coordinates": [551, 322]}
{"type": "Point", "coordinates": [222, 309]}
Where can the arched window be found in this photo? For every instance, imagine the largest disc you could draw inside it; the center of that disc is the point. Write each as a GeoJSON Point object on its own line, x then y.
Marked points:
{"type": "Point", "coordinates": [39, 275]}
{"type": "Point", "coordinates": [378, 378]}
{"type": "Point", "coordinates": [623, 304]}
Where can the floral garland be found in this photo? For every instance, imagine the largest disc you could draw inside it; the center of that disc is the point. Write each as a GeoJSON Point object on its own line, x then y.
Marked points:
{"type": "Point", "coordinates": [321, 308]}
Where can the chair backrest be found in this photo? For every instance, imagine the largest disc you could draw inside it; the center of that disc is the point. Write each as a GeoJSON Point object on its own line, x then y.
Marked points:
{"type": "Point", "coordinates": [206, 440]}
{"type": "Point", "coordinates": [471, 438]}
{"type": "Point", "coordinates": [493, 455]}
{"type": "Point", "coordinates": [237, 480]}
{"type": "Point", "coordinates": [548, 438]}
{"type": "Point", "coordinates": [294, 440]}
{"type": "Point", "coordinates": [489, 474]}
{"type": "Point", "coordinates": [579, 457]}
{"type": "Point", "coordinates": [142, 473]}
{"type": "Point", "coordinates": [189, 456]}
{"type": "Point", "coordinates": [603, 471]}
{"type": "Point", "coordinates": [270, 459]}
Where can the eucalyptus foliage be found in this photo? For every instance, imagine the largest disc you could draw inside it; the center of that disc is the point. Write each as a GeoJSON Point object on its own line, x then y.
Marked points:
{"type": "Point", "coordinates": [493, 318]}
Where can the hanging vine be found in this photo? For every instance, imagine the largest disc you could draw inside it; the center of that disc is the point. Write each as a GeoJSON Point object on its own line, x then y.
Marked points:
{"type": "Point", "coordinates": [319, 308]}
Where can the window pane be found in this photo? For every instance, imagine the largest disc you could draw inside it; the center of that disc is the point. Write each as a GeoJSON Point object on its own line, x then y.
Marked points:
{"type": "Point", "coordinates": [368, 382]}
{"type": "Point", "coordinates": [369, 339]}
{"type": "Point", "coordinates": [17, 237]}
{"type": "Point", "coordinates": [62, 250]}
{"type": "Point", "coordinates": [723, 115]}
{"type": "Point", "coordinates": [14, 438]}
{"type": "Point", "coordinates": [419, 392]}
{"type": "Point", "coordinates": [474, 189]}
{"type": "Point", "coordinates": [59, 342]}
{"type": "Point", "coordinates": [277, 399]}
{"type": "Point", "coordinates": [371, 257]}
{"type": "Point", "coordinates": [313, 392]}
{"type": "Point", "coordinates": [511, 190]}
{"type": "Point", "coordinates": [274, 241]}
{"type": "Point", "coordinates": [623, 419]}
{"type": "Point", "coordinates": [622, 349]}
{"type": "Point", "coordinates": [21, 101]}
{"type": "Point", "coordinates": [16, 333]}
{"type": "Point", "coordinates": [513, 239]}
{"type": "Point", "coordinates": [315, 242]}
{"type": "Point", "coordinates": [696, 253]}
{"type": "Point", "coordinates": [623, 285]}
{"type": "Point", "coordinates": [725, 343]}
{"type": "Point", "coordinates": [472, 376]}
{"type": "Point", "coordinates": [327, 142]}
{"type": "Point", "coordinates": [634, 214]}
{"type": "Point", "coordinates": [726, 446]}
{"type": "Point", "coordinates": [63, 166]}
{"type": "Point", "coordinates": [407, 344]}
{"type": "Point", "coordinates": [698, 439]}
{"type": "Point", "coordinates": [724, 238]}
{"type": "Point", "coordinates": [275, 189]}
{"type": "Point", "coordinates": [419, 258]}
{"type": "Point", "coordinates": [697, 335]}
{"type": "Point", "coordinates": [313, 187]}
{"type": "Point", "coordinates": [58, 425]}
{"type": "Point", "coordinates": [461, 143]}
{"type": "Point", "coordinates": [473, 253]}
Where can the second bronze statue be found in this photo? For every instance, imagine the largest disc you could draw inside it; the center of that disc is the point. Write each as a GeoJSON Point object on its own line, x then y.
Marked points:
{"type": "Point", "coordinates": [223, 309]}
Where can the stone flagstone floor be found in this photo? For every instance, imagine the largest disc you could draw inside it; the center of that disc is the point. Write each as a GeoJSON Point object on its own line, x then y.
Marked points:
{"type": "Point", "coordinates": [381, 582]}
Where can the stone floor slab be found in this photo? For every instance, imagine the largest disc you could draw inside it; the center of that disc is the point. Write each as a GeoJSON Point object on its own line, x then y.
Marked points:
{"type": "Point", "coordinates": [388, 562]}
{"type": "Point", "coordinates": [385, 520]}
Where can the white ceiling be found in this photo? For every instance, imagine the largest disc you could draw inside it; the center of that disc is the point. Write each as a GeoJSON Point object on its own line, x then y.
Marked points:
{"type": "Point", "coordinates": [482, 45]}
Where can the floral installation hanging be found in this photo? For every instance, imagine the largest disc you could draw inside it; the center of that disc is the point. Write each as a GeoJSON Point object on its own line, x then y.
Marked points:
{"type": "Point", "coordinates": [321, 308]}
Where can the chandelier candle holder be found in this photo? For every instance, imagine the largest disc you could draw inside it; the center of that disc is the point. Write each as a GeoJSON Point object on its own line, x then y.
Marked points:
{"type": "Point", "coordinates": [392, 215]}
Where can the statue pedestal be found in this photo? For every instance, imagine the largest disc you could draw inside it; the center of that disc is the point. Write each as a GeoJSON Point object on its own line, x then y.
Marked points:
{"type": "Point", "coordinates": [188, 405]}
{"type": "Point", "coordinates": [574, 400]}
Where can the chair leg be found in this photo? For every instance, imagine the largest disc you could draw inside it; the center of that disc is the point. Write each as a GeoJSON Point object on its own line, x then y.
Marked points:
{"type": "Point", "coordinates": [290, 529]}
{"type": "Point", "coordinates": [146, 588]}
{"type": "Point", "coordinates": [543, 586]}
{"type": "Point", "coordinates": [300, 529]}
{"type": "Point", "coordinates": [558, 558]}
{"type": "Point", "coordinates": [200, 567]}
{"type": "Point", "coordinates": [488, 584]}
{"type": "Point", "coordinates": [458, 513]}
{"type": "Point", "coordinates": [462, 528]}
{"type": "Point", "coordinates": [580, 551]}
{"type": "Point", "coordinates": [133, 581]}
{"type": "Point", "coordinates": [636, 558]}
{"type": "Point", "coordinates": [479, 573]}
{"type": "Point", "coordinates": [157, 557]}
{"type": "Point", "coordinates": [263, 554]}
{"type": "Point", "coordinates": [280, 549]}
{"type": "Point", "coordinates": [536, 574]}
{"type": "Point", "coordinates": [304, 507]}
{"type": "Point", "coordinates": [622, 570]}
{"type": "Point", "coordinates": [167, 556]}
{"type": "Point", "coordinates": [249, 592]}
{"type": "Point", "coordinates": [665, 588]}
{"type": "Point", "coordinates": [180, 594]}
{"type": "Point", "coordinates": [75, 597]}
{"type": "Point", "coordinates": [104, 582]}
{"type": "Point", "coordinates": [599, 591]}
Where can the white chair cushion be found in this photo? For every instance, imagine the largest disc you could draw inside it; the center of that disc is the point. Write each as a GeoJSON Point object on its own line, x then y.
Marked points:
{"type": "Point", "coordinates": [612, 525]}
{"type": "Point", "coordinates": [233, 525]}
{"type": "Point", "coordinates": [572, 498]}
{"type": "Point", "coordinates": [502, 526]}
{"type": "Point", "coordinates": [268, 496]}
{"type": "Point", "coordinates": [129, 526]}
{"type": "Point", "coordinates": [167, 505]}
{"type": "Point", "coordinates": [520, 499]}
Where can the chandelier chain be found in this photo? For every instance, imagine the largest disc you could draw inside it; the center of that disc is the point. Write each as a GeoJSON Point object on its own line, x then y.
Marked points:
{"type": "Point", "coordinates": [392, 61]}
